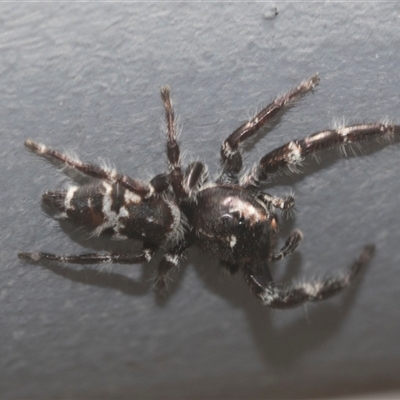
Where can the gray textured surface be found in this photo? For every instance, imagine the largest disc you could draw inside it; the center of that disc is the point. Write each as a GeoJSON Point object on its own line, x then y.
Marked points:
{"type": "Point", "coordinates": [85, 78]}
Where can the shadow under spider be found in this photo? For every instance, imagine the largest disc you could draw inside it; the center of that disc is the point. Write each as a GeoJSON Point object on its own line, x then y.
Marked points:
{"type": "Point", "coordinates": [278, 346]}
{"type": "Point", "coordinates": [282, 346]}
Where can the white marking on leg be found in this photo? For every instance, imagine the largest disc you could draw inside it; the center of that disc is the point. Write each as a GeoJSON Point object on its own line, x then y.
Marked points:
{"type": "Point", "coordinates": [148, 254]}
{"type": "Point", "coordinates": [173, 259]}
{"type": "Point", "coordinates": [312, 288]}
{"type": "Point", "coordinates": [35, 256]}
{"type": "Point", "coordinates": [41, 148]}
{"type": "Point", "coordinates": [344, 132]}
{"type": "Point", "coordinates": [37, 148]}
{"type": "Point", "coordinates": [269, 296]}
{"type": "Point", "coordinates": [107, 259]}
{"type": "Point", "coordinates": [294, 154]}
{"type": "Point", "coordinates": [228, 152]}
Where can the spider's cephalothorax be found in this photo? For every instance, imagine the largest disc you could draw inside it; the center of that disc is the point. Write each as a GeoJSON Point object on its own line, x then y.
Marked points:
{"type": "Point", "coordinates": [234, 225]}
{"type": "Point", "coordinates": [231, 218]}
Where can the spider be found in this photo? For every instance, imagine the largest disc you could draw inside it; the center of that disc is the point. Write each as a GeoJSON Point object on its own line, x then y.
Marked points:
{"type": "Point", "coordinates": [231, 218]}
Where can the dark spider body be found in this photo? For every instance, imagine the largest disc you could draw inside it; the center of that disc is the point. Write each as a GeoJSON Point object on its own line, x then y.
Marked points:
{"type": "Point", "coordinates": [232, 224]}
{"type": "Point", "coordinates": [231, 218]}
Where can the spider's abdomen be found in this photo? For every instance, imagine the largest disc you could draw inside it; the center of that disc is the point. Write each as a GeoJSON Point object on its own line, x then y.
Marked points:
{"type": "Point", "coordinates": [105, 207]}
{"type": "Point", "coordinates": [234, 225]}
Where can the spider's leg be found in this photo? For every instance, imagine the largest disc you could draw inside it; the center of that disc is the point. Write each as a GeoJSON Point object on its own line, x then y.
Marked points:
{"type": "Point", "coordinates": [93, 258]}
{"type": "Point", "coordinates": [94, 171]}
{"type": "Point", "coordinates": [283, 203]}
{"type": "Point", "coordinates": [169, 261]}
{"type": "Point", "coordinates": [173, 151]}
{"type": "Point", "coordinates": [290, 245]}
{"type": "Point", "coordinates": [290, 155]}
{"type": "Point", "coordinates": [231, 157]}
{"type": "Point", "coordinates": [273, 296]}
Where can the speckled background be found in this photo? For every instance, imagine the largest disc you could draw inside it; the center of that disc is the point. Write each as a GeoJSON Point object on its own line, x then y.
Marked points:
{"type": "Point", "coordinates": [85, 78]}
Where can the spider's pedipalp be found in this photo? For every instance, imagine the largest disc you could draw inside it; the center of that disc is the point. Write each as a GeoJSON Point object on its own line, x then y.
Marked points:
{"type": "Point", "coordinates": [290, 246]}
{"type": "Point", "coordinates": [283, 203]}
{"type": "Point", "coordinates": [196, 175]}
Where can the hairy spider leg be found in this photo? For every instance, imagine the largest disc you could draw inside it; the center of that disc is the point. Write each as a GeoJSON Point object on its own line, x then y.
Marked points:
{"type": "Point", "coordinates": [173, 151]}
{"type": "Point", "coordinates": [293, 153]}
{"type": "Point", "coordinates": [92, 258]}
{"type": "Point", "coordinates": [142, 189]}
{"type": "Point", "coordinates": [182, 185]}
{"type": "Point", "coordinates": [271, 295]}
{"type": "Point", "coordinates": [169, 261]}
{"type": "Point", "coordinates": [231, 157]}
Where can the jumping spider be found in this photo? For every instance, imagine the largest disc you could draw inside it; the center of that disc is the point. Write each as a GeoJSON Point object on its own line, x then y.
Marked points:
{"type": "Point", "coordinates": [231, 218]}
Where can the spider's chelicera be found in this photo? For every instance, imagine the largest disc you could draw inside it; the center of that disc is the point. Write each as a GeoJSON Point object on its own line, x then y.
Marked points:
{"type": "Point", "coordinates": [231, 218]}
